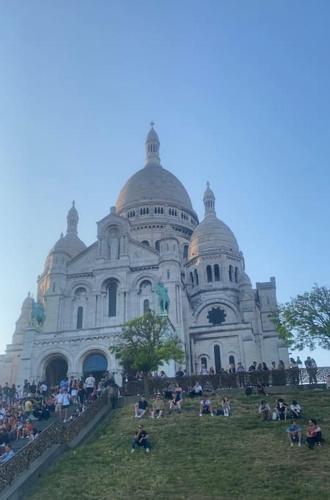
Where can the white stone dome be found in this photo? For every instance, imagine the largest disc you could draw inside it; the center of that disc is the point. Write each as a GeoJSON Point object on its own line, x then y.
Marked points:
{"type": "Point", "coordinates": [153, 184]}
{"type": "Point", "coordinates": [211, 235]}
{"type": "Point", "coordinates": [244, 280]}
{"type": "Point", "coordinates": [69, 244]}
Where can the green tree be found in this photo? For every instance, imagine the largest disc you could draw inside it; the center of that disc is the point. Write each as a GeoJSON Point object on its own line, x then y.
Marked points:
{"type": "Point", "coordinates": [305, 320]}
{"type": "Point", "coordinates": [145, 343]}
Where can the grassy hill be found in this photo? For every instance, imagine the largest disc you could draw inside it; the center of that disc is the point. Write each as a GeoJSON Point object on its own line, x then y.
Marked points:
{"type": "Point", "coordinates": [195, 458]}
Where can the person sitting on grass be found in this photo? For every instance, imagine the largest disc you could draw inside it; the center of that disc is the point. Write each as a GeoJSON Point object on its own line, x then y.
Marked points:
{"type": "Point", "coordinates": [294, 433]}
{"type": "Point", "coordinates": [264, 410]}
{"type": "Point", "coordinates": [157, 407]}
{"type": "Point", "coordinates": [175, 404]}
{"type": "Point", "coordinates": [140, 440]}
{"type": "Point", "coordinates": [295, 409]}
{"type": "Point", "coordinates": [314, 434]}
{"type": "Point", "coordinates": [197, 390]}
{"type": "Point", "coordinates": [140, 407]}
{"type": "Point", "coordinates": [281, 409]}
{"type": "Point", "coordinates": [205, 407]}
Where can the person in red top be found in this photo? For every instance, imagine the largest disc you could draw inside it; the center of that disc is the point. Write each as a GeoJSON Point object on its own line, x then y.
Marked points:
{"type": "Point", "coordinates": [314, 434]}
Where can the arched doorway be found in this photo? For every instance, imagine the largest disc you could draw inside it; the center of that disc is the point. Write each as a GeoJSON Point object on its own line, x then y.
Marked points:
{"type": "Point", "coordinates": [56, 370]}
{"type": "Point", "coordinates": [95, 364]}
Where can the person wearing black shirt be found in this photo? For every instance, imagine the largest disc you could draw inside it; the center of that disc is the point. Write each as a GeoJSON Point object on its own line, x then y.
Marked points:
{"type": "Point", "coordinates": [140, 439]}
{"type": "Point", "coordinates": [140, 407]}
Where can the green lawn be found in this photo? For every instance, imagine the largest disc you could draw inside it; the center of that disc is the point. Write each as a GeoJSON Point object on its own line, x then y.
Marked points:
{"type": "Point", "coordinates": [195, 458]}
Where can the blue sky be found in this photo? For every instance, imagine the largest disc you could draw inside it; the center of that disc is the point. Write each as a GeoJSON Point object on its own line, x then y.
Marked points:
{"type": "Point", "coordinates": [239, 91]}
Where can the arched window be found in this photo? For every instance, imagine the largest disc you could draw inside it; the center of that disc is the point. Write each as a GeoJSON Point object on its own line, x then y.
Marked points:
{"type": "Point", "coordinates": [145, 243]}
{"type": "Point", "coordinates": [145, 287]}
{"type": "Point", "coordinates": [236, 274]}
{"type": "Point", "coordinates": [80, 292]}
{"type": "Point", "coordinates": [112, 298]}
{"type": "Point", "coordinates": [168, 274]}
{"type": "Point", "coordinates": [146, 306]}
{"type": "Point", "coordinates": [192, 279]}
{"type": "Point", "coordinates": [185, 251]}
{"type": "Point", "coordinates": [232, 360]}
{"type": "Point", "coordinates": [209, 274]}
{"type": "Point", "coordinates": [95, 364]}
{"type": "Point", "coordinates": [216, 272]}
{"type": "Point", "coordinates": [196, 277]}
{"type": "Point", "coordinates": [203, 363]}
{"type": "Point", "coordinates": [157, 245]}
{"type": "Point", "coordinates": [80, 317]}
{"type": "Point", "coordinates": [230, 273]}
{"type": "Point", "coordinates": [217, 359]}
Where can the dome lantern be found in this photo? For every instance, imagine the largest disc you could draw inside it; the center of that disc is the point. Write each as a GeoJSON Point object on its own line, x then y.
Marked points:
{"type": "Point", "coordinates": [209, 200]}
{"type": "Point", "coordinates": [72, 220]}
{"type": "Point", "coordinates": [152, 147]}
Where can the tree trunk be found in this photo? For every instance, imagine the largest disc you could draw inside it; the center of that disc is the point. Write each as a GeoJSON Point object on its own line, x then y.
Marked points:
{"type": "Point", "coordinates": [146, 385]}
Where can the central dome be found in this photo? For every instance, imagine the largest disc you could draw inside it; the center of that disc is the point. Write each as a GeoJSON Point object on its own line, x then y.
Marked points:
{"type": "Point", "coordinates": [153, 183]}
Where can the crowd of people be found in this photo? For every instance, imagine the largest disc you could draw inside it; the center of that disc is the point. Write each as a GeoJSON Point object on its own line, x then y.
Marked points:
{"type": "Point", "coordinates": [272, 374]}
{"type": "Point", "coordinates": [24, 411]}
{"type": "Point", "coordinates": [172, 400]}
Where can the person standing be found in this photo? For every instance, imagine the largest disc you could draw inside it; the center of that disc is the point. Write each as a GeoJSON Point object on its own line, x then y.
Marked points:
{"type": "Point", "coordinates": [311, 368]}
{"type": "Point", "coordinates": [89, 385]}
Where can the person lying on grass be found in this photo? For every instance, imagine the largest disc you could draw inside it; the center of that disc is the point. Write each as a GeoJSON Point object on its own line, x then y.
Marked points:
{"type": "Point", "coordinates": [205, 407]}
{"type": "Point", "coordinates": [175, 404]}
{"type": "Point", "coordinates": [313, 434]}
{"type": "Point", "coordinates": [140, 407]}
{"type": "Point", "coordinates": [140, 440]}
{"type": "Point", "coordinates": [157, 407]}
{"type": "Point", "coordinates": [294, 433]}
{"type": "Point", "coordinates": [264, 410]}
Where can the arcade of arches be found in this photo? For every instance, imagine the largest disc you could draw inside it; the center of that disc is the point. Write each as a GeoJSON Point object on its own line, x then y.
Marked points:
{"type": "Point", "coordinates": [94, 363]}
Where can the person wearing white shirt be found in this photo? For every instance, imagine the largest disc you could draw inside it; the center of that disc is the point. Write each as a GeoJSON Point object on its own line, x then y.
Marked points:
{"type": "Point", "coordinates": [58, 404]}
{"type": "Point", "coordinates": [89, 385]}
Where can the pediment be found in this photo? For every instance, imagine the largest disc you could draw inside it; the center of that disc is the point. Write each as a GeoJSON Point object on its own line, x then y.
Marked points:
{"type": "Point", "coordinates": [84, 261]}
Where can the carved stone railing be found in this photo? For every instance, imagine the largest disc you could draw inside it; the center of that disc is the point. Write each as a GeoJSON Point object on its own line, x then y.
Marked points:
{"type": "Point", "coordinates": [224, 380]}
{"type": "Point", "coordinates": [55, 433]}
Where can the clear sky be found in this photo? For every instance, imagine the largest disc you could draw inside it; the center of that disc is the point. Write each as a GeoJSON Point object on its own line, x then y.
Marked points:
{"type": "Point", "coordinates": [239, 91]}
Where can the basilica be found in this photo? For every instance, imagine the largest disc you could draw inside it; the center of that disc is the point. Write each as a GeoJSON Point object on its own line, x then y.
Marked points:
{"type": "Point", "coordinates": [150, 245]}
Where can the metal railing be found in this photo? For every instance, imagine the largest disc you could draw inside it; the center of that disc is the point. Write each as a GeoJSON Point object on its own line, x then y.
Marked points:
{"type": "Point", "coordinates": [224, 380]}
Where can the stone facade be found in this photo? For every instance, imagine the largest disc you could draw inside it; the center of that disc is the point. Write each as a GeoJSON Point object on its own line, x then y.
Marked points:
{"type": "Point", "coordinates": [151, 236]}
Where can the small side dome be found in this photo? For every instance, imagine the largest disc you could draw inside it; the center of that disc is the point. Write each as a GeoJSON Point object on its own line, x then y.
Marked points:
{"type": "Point", "coordinates": [27, 302]}
{"type": "Point", "coordinates": [69, 244]}
{"type": "Point", "coordinates": [211, 234]}
{"type": "Point", "coordinates": [244, 280]}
